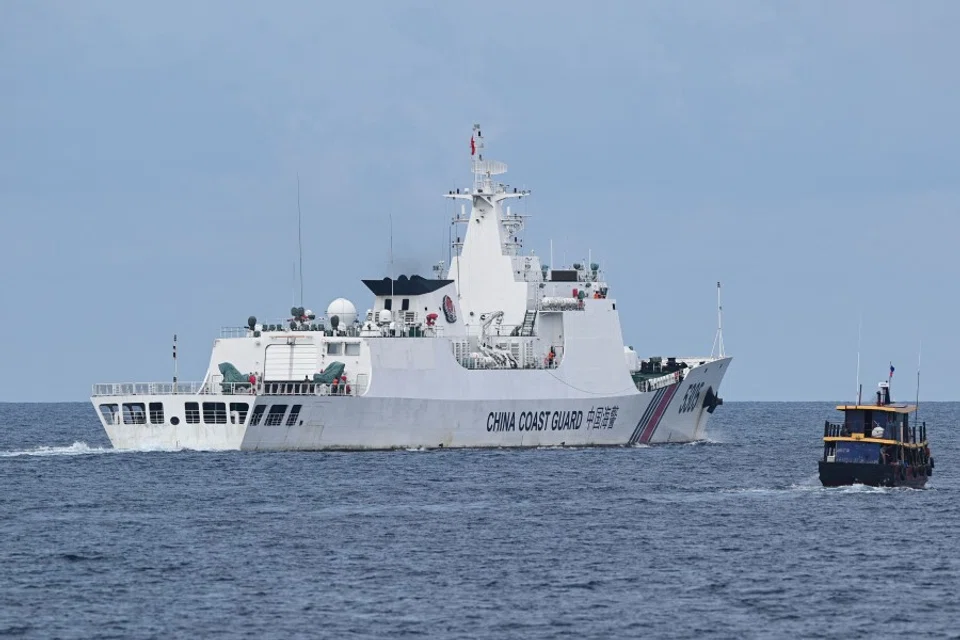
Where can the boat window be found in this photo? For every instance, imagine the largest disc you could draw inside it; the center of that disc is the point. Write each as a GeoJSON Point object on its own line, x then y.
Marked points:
{"type": "Point", "coordinates": [109, 413]}
{"type": "Point", "coordinates": [257, 414]}
{"type": "Point", "coordinates": [191, 411]}
{"type": "Point", "coordinates": [275, 417]}
{"type": "Point", "coordinates": [238, 412]}
{"type": "Point", "coordinates": [214, 413]}
{"type": "Point", "coordinates": [334, 348]}
{"type": "Point", "coordinates": [405, 304]}
{"type": "Point", "coordinates": [134, 413]}
{"type": "Point", "coordinates": [858, 452]}
{"type": "Point", "coordinates": [353, 349]}
{"type": "Point", "coordinates": [294, 414]}
{"type": "Point", "coordinates": [388, 304]}
{"type": "Point", "coordinates": [156, 413]}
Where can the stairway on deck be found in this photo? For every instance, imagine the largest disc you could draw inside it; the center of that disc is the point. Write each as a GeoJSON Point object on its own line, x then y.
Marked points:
{"type": "Point", "coordinates": [529, 318]}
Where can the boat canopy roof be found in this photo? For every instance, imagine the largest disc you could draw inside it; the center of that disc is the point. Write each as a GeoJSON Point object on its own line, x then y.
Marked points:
{"type": "Point", "coordinates": [887, 408]}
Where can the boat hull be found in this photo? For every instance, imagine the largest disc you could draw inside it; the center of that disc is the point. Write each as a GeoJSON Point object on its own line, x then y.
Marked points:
{"type": "Point", "coordinates": [838, 474]}
{"type": "Point", "coordinates": [675, 413]}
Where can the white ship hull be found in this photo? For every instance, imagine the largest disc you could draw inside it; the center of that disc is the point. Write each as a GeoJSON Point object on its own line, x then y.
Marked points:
{"type": "Point", "coordinates": [503, 351]}
{"type": "Point", "coordinates": [674, 413]}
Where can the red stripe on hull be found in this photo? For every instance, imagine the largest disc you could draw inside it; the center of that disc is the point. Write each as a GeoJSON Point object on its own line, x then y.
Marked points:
{"type": "Point", "coordinates": [658, 414]}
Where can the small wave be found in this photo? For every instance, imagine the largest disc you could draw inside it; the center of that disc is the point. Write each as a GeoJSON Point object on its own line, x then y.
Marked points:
{"type": "Point", "coordinates": [805, 486]}
{"type": "Point", "coordinates": [76, 449]}
{"type": "Point", "coordinates": [856, 488]}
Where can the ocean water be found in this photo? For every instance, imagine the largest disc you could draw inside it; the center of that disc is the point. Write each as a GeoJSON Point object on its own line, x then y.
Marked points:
{"type": "Point", "coordinates": [729, 538]}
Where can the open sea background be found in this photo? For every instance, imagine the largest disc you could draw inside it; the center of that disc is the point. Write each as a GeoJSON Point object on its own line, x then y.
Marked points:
{"type": "Point", "coordinates": [728, 538]}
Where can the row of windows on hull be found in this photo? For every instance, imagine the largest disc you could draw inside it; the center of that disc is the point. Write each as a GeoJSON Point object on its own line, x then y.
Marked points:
{"type": "Point", "coordinates": [275, 416]}
{"type": "Point", "coordinates": [153, 413]}
{"type": "Point", "coordinates": [199, 413]}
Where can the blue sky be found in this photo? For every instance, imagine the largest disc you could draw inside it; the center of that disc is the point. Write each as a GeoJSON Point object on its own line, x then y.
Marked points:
{"type": "Point", "coordinates": [800, 152]}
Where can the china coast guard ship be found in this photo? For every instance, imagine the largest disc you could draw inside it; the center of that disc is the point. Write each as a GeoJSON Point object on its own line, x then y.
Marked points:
{"type": "Point", "coordinates": [501, 351]}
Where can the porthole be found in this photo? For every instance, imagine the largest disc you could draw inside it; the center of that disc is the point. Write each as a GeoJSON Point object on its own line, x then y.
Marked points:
{"type": "Point", "coordinates": [174, 420]}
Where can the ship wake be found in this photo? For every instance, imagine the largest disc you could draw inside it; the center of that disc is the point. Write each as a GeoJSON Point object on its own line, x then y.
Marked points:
{"type": "Point", "coordinates": [75, 449]}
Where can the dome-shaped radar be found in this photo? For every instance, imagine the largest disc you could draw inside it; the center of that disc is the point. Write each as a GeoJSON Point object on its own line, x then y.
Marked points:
{"type": "Point", "coordinates": [344, 309]}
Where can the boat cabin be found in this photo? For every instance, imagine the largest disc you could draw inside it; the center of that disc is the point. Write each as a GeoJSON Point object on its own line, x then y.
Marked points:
{"type": "Point", "coordinates": [877, 433]}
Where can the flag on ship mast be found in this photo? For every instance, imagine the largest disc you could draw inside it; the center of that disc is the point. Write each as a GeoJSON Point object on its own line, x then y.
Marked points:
{"type": "Point", "coordinates": [473, 146]}
{"type": "Point", "coordinates": [891, 370]}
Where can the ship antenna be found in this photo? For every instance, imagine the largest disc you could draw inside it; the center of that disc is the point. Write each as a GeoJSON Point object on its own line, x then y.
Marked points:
{"type": "Point", "coordinates": [174, 363]}
{"type": "Point", "coordinates": [917, 416]}
{"type": "Point", "coordinates": [859, 333]}
{"type": "Point", "coordinates": [299, 238]}
{"type": "Point", "coordinates": [718, 340]}
{"type": "Point", "coordinates": [391, 256]}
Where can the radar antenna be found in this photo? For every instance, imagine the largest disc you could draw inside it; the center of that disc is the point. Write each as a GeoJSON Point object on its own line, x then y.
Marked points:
{"type": "Point", "coordinates": [718, 340]}
{"type": "Point", "coordinates": [483, 169]}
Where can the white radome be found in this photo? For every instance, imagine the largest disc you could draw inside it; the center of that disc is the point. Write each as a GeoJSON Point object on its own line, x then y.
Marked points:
{"type": "Point", "coordinates": [343, 309]}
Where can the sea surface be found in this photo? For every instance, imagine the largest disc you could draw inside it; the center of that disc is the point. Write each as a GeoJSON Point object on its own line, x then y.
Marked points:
{"type": "Point", "coordinates": [728, 538]}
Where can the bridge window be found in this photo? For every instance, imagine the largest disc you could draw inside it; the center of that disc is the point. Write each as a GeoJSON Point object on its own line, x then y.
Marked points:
{"type": "Point", "coordinates": [109, 413]}
{"type": "Point", "coordinates": [405, 304]}
{"type": "Point", "coordinates": [257, 415]}
{"type": "Point", "coordinates": [214, 413]}
{"type": "Point", "coordinates": [156, 413]}
{"type": "Point", "coordinates": [353, 349]}
{"type": "Point", "coordinates": [334, 348]}
{"type": "Point", "coordinates": [388, 304]}
{"type": "Point", "coordinates": [294, 414]}
{"type": "Point", "coordinates": [275, 417]}
{"type": "Point", "coordinates": [240, 409]}
{"type": "Point", "coordinates": [191, 412]}
{"type": "Point", "coordinates": [134, 413]}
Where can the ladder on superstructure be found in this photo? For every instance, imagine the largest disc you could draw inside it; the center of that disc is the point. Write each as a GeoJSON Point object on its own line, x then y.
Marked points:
{"type": "Point", "coordinates": [529, 318]}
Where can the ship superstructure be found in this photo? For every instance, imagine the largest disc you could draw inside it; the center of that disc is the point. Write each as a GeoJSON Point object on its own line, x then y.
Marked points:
{"type": "Point", "coordinates": [501, 350]}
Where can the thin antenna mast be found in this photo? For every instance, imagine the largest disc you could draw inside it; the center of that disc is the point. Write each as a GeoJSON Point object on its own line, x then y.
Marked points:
{"type": "Point", "coordinates": [718, 340]}
{"type": "Point", "coordinates": [917, 417]}
{"type": "Point", "coordinates": [463, 213]}
{"type": "Point", "coordinates": [391, 256]}
{"type": "Point", "coordinates": [859, 334]}
{"type": "Point", "coordinates": [299, 238]}
{"type": "Point", "coordinates": [174, 363]}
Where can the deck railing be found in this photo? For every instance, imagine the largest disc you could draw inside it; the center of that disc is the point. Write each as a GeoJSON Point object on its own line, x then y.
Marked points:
{"type": "Point", "coordinates": [215, 387]}
{"type": "Point", "coordinates": [312, 389]}
{"type": "Point", "coordinates": [170, 388]}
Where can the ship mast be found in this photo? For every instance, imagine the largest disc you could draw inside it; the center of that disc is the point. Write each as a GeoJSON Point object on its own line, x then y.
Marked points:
{"type": "Point", "coordinates": [718, 340]}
